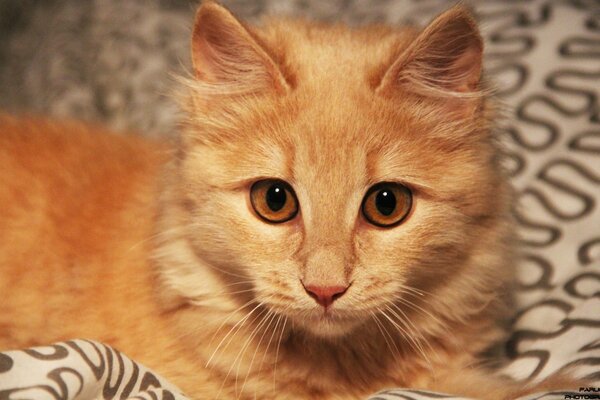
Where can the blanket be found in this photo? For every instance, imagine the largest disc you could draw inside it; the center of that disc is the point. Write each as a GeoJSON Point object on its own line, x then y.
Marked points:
{"type": "Point", "coordinates": [84, 369]}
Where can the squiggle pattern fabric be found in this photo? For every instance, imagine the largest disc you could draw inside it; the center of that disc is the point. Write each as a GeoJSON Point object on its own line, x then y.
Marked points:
{"type": "Point", "coordinates": [422, 395]}
{"type": "Point", "coordinates": [545, 59]}
{"type": "Point", "coordinates": [86, 370]}
{"type": "Point", "coordinates": [79, 370]}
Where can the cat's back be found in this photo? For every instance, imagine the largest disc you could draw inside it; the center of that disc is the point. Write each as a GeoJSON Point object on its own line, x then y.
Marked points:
{"type": "Point", "coordinates": [69, 176]}
{"type": "Point", "coordinates": [73, 198]}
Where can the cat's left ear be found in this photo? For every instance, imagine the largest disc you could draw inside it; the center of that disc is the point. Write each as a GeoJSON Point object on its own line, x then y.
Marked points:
{"type": "Point", "coordinates": [229, 56]}
{"type": "Point", "coordinates": [445, 59]}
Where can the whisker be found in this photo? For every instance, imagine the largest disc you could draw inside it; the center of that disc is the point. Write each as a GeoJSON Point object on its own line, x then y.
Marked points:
{"type": "Point", "coordinates": [241, 321]}
{"type": "Point", "coordinates": [380, 330]}
{"type": "Point", "coordinates": [221, 270]}
{"type": "Point", "coordinates": [227, 318]}
{"type": "Point", "coordinates": [238, 359]}
{"type": "Point", "coordinates": [271, 316]}
{"type": "Point", "coordinates": [277, 351]}
{"type": "Point", "coordinates": [418, 308]}
{"type": "Point", "coordinates": [407, 320]}
{"type": "Point", "coordinates": [410, 337]}
{"type": "Point", "coordinates": [236, 292]}
{"type": "Point", "coordinates": [246, 282]}
{"type": "Point", "coordinates": [270, 340]}
{"type": "Point", "coordinates": [387, 335]}
{"type": "Point", "coordinates": [413, 290]}
{"type": "Point", "coordinates": [202, 300]}
{"type": "Point", "coordinates": [239, 353]}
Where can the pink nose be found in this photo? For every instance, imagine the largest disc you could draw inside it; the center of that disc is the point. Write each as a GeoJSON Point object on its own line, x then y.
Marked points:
{"type": "Point", "coordinates": [325, 295]}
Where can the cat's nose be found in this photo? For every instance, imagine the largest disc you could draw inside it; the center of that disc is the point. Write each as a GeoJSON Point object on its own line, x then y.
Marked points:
{"type": "Point", "coordinates": [325, 295]}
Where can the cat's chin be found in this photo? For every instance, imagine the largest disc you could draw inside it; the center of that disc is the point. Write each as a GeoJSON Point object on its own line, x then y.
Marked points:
{"type": "Point", "coordinates": [328, 325]}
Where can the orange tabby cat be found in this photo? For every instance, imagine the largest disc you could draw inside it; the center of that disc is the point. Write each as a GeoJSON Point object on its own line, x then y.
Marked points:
{"type": "Point", "coordinates": [331, 221]}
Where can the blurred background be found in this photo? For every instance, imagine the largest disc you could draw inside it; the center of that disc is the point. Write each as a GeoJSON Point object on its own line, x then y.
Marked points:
{"type": "Point", "coordinates": [113, 61]}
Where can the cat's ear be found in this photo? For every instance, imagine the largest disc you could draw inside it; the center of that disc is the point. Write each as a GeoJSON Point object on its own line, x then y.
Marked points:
{"type": "Point", "coordinates": [445, 59]}
{"type": "Point", "coordinates": [228, 55]}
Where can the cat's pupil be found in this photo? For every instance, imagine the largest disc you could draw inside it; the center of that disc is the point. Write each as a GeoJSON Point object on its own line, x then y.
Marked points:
{"type": "Point", "coordinates": [276, 197]}
{"type": "Point", "coordinates": [385, 202]}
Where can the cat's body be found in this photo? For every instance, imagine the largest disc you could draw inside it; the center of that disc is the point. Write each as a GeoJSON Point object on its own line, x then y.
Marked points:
{"type": "Point", "coordinates": [166, 255]}
{"type": "Point", "coordinates": [77, 229]}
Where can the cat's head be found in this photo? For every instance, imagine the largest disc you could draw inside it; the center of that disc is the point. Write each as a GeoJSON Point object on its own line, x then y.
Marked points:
{"type": "Point", "coordinates": [336, 176]}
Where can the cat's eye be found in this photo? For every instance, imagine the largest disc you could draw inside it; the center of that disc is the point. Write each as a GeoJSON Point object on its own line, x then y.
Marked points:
{"type": "Point", "coordinates": [274, 200]}
{"type": "Point", "coordinates": [387, 204]}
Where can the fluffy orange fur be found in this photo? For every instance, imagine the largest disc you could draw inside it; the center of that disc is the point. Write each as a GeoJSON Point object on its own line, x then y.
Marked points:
{"type": "Point", "coordinates": [155, 248]}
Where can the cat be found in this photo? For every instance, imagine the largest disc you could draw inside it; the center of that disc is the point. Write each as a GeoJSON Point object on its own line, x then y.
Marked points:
{"type": "Point", "coordinates": [331, 220]}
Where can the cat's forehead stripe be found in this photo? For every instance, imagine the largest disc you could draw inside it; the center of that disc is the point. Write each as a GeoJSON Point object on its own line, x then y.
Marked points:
{"type": "Point", "coordinates": [326, 55]}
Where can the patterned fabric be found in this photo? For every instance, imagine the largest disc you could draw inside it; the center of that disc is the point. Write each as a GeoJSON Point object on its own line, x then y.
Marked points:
{"type": "Point", "coordinates": [545, 60]}
{"type": "Point", "coordinates": [86, 370]}
{"type": "Point", "coordinates": [422, 395]}
{"type": "Point", "coordinates": [79, 369]}
{"type": "Point", "coordinates": [110, 60]}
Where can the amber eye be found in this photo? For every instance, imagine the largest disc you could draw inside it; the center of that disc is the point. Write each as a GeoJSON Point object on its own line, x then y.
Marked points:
{"type": "Point", "coordinates": [387, 204]}
{"type": "Point", "coordinates": [274, 200]}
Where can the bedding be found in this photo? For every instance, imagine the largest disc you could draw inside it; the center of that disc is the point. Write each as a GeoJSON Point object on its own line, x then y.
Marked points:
{"type": "Point", "coordinates": [84, 369]}
{"type": "Point", "coordinates": [544, 57]}
{"type": "Point", "coordinates": [79, 369]}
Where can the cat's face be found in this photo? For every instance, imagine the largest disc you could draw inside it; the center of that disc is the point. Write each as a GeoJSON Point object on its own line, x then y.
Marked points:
{"type": "Point", "coordinates": [342, 195]}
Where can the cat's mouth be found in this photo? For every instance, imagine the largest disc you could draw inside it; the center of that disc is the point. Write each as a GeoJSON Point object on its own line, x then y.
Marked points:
{"type": "Point", "coordinates": [322, 321]}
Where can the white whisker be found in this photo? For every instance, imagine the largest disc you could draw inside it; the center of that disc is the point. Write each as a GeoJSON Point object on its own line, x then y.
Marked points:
{"type": "Point", "coordinates": [241, 321]}
{"type": "Point", "coordinates": [270, 316]}
{"type": "Point", "coordinates": [238, 359]}
{"type": "Point", "coordinates": [409, 336]}
{"type": "Point", "coordinates": [277, 351]}
{"type": "Point", "coordinates": [235, 360]}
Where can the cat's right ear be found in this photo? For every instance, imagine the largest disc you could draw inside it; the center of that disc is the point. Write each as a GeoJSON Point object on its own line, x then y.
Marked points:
{"type": "Point", "coordinates": [444, 60]}
{"type": "Point", "coordinates": [228, 57]}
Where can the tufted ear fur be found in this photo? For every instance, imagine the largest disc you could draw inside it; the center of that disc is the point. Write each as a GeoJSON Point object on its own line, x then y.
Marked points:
{"type": "Point", "coordinates": [443, 61]}
{"type": "Point", "coordinates": [229, 57]}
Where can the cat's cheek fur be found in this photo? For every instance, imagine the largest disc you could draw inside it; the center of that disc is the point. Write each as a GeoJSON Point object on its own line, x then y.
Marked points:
{"type": "Point", "coordinates": [229, 233]}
